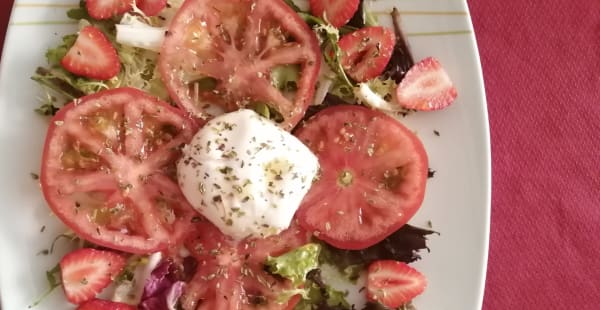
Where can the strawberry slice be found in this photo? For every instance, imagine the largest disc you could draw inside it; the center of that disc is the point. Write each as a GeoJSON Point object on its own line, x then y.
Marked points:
{"type": "Point", "coordinates": [104, 9]}
{"type": "Point", "coordinates": [92, 56]}
{"type": "Point", "coordinates": [86, 272]}
{"type": "Point", "coordinates": [426, 86]}
{"type": "Point", "coordinates": [393, 283]}
{"type": "Point", "coordinates": [151, 7]}
{"type": "Point", "coordinates": [99, 304]}
{"type": "Point", "coordinates": [366, 52]}
{"type": "Point", "coordinates": [337, 12]}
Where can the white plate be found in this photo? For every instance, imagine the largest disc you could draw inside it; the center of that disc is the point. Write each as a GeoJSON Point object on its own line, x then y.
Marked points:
{"type": "Point", "coordinates": [457, 200]}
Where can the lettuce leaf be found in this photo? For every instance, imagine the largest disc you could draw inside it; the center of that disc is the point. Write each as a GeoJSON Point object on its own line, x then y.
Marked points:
{"type": "Point", "coordinates": [321, 296]}
{"type": "Point", "coordinates": [301, 267]}
{"type": "Point", "coordinates": [402, 59]}
{"type": "Point", "coordinates": [163, 289]}
{"type": "Point", "coordinates": [403, 245]}
{"type": "Point", "coordinates": [54, 55]}
{"type": "Point", "coordinates": [296, 264]}
{"type": "Point", "coordinates": [138, 68]}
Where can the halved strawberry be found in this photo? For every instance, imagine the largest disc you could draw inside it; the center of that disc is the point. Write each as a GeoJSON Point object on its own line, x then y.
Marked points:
{"type": "Point", "coordinates": [337, 12]}
{"type": "Point", "coordinates": [393, 283]}
{"type": "Point", "coordinates": [86, 272]}
{"type": "Point", "coordinates": [103, 9]}
{"type": "Point", "coordinates": [426, 86]}
{"type": "Point", "coordinates": [151, 7]}
{"type": "Point", "coordinates": [366, 52]}
{"type": "Point", "coordinates": [99, 304]}
{"type": "Point", "coordinates": [92, 55]}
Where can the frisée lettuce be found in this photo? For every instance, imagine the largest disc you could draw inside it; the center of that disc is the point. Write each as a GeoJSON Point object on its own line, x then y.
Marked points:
{"type": "Point", "coordinates": [138, 67]}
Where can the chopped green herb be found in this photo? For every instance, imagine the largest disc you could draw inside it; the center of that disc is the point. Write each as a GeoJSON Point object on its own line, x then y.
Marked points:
{"type": "Point", "coordinates": [430, 173]}
{"type": "Point", "coordinates": [226, 170]}
{"type": "Point", "coordinates": [43, 252]}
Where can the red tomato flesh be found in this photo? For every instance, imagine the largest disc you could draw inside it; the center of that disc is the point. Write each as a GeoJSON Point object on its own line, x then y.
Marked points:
{"type": "Point", "coordinates": [223, 52]}
{"type": "Point", "coordinates": [108, 170]}
{"type": "Point", "coordinates": [232, 275]}
{"type": "Point", "coordinates": [372, 179]}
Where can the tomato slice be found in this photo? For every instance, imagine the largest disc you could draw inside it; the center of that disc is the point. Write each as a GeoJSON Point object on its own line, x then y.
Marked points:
{"type": "Point", "coordinates": [225, 52]}
{"type": "Point", "coordinates": [372, 181]}
{"type": "Point", "coordinates": [231, 275]}
{"type": "Point", "coordinates": [108, 170]}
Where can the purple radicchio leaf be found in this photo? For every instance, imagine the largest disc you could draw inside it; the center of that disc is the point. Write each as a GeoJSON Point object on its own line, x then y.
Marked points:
{"type": "Point", "coordinates": [163, 288]}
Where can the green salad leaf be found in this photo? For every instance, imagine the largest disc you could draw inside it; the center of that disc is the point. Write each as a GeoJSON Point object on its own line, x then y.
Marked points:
{"type": "Point", "coordinates": [54, 281]}
{"type": "Point", "coordinates": [285, 77]}
{"type": "Point", "coordinates": [296, 264]}
{"type": "Point", "coordinates": [138, 68]}
{"type": "Point", "coordinates": [385, 88]}
{"type": "Point", "coordinates": [78, 12]}
{"type": "Point", "coordinates": [301, 267]}
{"type": "Point", "coordinates": [320, 296]}
{"type": "Point", "coordinates": [54, 55]}
{"type": "Point", "coordinates": [329, 36]}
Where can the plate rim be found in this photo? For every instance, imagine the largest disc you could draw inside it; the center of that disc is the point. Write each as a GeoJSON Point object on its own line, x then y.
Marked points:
{"type": "Point", "coordinates": [486, 143]}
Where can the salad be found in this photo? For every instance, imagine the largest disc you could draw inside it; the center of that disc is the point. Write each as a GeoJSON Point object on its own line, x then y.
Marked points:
{"type": "Point", "coordinates": [239, 154]}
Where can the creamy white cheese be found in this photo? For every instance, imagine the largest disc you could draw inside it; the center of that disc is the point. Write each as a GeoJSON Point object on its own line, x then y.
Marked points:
{"type": "Point", "coordinates": [245, 174]}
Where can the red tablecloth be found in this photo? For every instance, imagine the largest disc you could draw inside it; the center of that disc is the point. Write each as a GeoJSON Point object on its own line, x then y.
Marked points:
{"type": "Point", "coordinates": [541, 64]}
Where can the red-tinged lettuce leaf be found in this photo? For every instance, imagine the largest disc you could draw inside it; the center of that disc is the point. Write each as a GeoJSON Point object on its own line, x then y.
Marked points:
{"type": "Point", "coordinates": [164, 287]}
{"type": "Point", "coordinates": [403, 245]}
{"type": "Point", "coordinates": [363, 17]}
{"type": "Point", "coordinates": [166, 300]}
{"type": "Point", "coordinates": [402, 59]}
